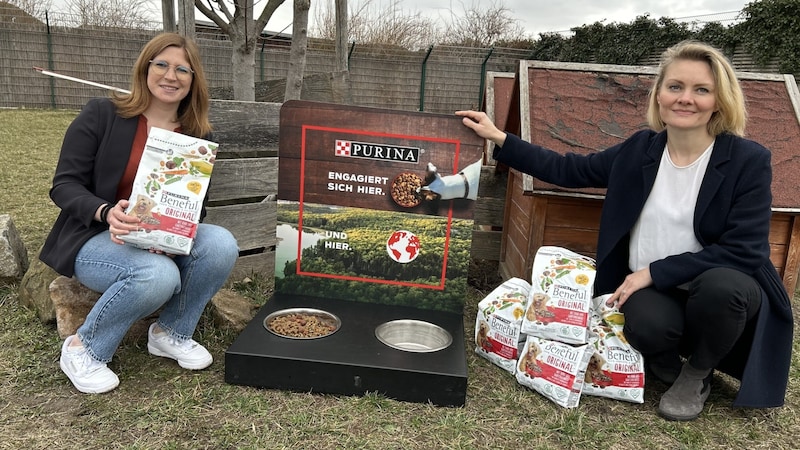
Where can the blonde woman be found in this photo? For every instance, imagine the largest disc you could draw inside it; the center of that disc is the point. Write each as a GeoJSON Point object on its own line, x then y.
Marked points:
{"type": "Point", "coordinates": [683, 244]}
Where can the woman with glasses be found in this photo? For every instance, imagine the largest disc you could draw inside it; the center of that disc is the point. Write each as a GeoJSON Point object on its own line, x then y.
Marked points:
{"type": "Point", "coordinates": [98, 162]}
{"type": "Point", "coordinates": [683, 246]}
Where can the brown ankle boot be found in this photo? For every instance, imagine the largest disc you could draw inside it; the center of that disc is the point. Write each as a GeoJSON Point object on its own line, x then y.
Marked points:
{"type": "Point", "coordinates": [687, 396]}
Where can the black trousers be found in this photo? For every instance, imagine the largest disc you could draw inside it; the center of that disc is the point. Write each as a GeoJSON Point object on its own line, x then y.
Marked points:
{"type": "Point", "coordinates": [702, 322]}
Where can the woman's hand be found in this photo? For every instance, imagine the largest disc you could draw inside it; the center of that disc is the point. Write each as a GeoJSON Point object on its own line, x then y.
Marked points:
{"type": "Point", "coordinates": [119, 223]}
{"type": "Point", "coordinates": [480, 123]}
{"type": "Point", "coordinates": [633, 282]}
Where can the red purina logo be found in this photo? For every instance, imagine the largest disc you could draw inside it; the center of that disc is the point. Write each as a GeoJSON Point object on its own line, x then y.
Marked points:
{"type": "Point", "coordinates": [342, 148]}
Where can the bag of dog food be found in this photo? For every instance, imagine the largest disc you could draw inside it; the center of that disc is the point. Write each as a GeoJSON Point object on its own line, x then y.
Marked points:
{"type": "Point", "coordinates": [554, 369]}
{"type": "Point", "coordinates": [561, 294]}
{"type": "Point", "coordinates": [615, 370]}
{"type": "Point", "coordinates": [497, 326]}
{"type": "Point", "coordinates": [168, 190]}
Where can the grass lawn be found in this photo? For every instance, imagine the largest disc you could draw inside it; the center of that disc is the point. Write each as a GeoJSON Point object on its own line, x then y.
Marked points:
{"type": "Point", "coordinates": [161, 406]}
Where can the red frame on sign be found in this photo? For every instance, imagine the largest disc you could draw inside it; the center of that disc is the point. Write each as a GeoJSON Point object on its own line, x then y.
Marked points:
{"type": "Point", "coordinates": [299, 271]}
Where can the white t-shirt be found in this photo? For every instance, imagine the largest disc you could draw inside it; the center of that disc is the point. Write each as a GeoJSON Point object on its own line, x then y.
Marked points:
{"type": "Point", "coordinates": [665, 226]}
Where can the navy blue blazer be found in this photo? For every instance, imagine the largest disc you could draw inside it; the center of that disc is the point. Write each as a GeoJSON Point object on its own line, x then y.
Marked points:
{"type": "Point", "coordinates": [94, 154]}
{"type": "Point", "coordinates": [731, 222]}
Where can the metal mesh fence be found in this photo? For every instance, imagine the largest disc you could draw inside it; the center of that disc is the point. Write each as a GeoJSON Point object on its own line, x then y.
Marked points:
{"type": "Point", "coordinates": [439, 79]}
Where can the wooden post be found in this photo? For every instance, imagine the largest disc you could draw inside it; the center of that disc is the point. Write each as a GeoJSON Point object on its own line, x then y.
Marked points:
{"type": "Point", "coordinates": [168, 15]}
{"type": "Point", "coordinates": [186, 18]}
{"type": "Point", "coordinates": [341, 74]}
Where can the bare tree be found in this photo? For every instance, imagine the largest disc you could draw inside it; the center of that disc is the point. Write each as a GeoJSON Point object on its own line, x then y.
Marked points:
{"type": "Point", "coordinates": [36, 8]}
{"type": "Point", "coordinates": [113, 13]}
{"type": "Point", "coordinates": [243, 32]}
{"type": "Point", "coordinates": [379, 24]}
{"type": "Point", "coordinates": [297, 54]}
{"type": "Point", "coordinates": [483, 26]}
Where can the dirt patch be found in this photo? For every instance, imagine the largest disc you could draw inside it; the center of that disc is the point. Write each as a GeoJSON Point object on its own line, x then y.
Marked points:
{"type": "Point", "coordinates": [484, 274]}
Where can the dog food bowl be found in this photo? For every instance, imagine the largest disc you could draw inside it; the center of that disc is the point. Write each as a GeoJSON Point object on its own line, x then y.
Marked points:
{"type": "Point", "coordinates": [413, 336]}
{"type": "Point", "coordinates": [302, 323]}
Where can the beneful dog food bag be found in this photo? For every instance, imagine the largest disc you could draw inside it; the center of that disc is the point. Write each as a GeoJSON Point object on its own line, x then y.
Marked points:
{"type": "Point", "coordinates": [497, 327]}
{"type": "Point", "coordinates": [561, 294]}
{"type": "Point", "coordinates": [554, 369]}
{"type": "Point", "coordinates": [615, 369]}
{"type": "Point", "coordinates": [168, 191]}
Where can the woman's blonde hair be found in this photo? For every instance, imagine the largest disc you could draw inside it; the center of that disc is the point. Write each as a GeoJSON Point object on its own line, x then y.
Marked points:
{"type": "Point", "coordinates": [731, 114]}
{"type": "Point", "coordinates": [193, 109]}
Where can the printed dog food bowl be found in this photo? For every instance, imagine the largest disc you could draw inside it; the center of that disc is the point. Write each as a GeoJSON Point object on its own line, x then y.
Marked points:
{"type": "Point", "coordinates": [413, 336]}
{"type": "Point", "coordinates": [302, 323]}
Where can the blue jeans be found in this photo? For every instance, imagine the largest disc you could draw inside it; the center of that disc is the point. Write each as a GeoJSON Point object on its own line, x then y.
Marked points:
{"type": "Point", "coordinates": [135, 283]}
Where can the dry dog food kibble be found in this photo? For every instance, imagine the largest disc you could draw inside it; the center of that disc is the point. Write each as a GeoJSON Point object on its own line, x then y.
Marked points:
{"type": "Point", "coordinates": [405, 190]}
{"type": "Point", "coordinates": [301, 325]}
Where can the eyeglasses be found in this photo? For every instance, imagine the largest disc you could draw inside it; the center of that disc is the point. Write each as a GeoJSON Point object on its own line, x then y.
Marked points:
{"type": "Point", "coordinates": [162, 67]}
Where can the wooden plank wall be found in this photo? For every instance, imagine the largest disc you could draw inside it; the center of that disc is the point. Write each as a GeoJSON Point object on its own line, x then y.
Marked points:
{"type": "Point", "coordinates": [244, 185]}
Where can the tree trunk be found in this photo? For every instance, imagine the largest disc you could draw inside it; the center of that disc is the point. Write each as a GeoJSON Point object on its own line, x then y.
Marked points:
{"type": "Point", "coordinates": [244, 33]}
{"type": "Point", "coordinates": [243, 63]}
{"type": "Point", "coordinates": [297, 55]}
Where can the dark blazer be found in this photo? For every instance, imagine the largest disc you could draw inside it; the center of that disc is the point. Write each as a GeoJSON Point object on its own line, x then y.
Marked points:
{"type": "Point", "coordinates": [731, 222]}
{"type": "Point", "coordinates": [95, 152]}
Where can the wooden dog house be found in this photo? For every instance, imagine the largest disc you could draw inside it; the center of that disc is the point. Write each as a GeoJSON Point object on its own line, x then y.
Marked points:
{"type": "Point", "coordinates": [583, 108]}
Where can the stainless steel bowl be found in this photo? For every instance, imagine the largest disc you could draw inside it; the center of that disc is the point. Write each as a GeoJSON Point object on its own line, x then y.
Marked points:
{"type": "Point", "coordinates": [413, 336]}
{"type": "Point", "coordinates": [329, 320]}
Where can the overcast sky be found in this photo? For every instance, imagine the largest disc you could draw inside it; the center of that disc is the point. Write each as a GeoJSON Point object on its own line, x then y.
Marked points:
{"type": "Point", "coordinates": [535, 16]}
{"type": "Point", "coordinates": [538, 16]}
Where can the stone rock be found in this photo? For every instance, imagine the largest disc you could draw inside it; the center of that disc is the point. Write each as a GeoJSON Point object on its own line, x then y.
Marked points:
{"type": "Point", "coordinates": [73, 301]}
{"type": "Point", "coordinates": [232, 310]}
{"type": "Point", "coordinates": [13, 255]}
{"type": "Point", "coordinates": [34, 290]}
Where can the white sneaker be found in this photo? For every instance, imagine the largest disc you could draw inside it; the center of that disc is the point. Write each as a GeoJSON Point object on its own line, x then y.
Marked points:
{"type": "Point", "coordinates": [87, 375]}
{"type": "Point", "coordinates": [189, 354]}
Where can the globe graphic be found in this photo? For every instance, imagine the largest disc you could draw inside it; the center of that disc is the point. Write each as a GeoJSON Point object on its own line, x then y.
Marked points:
{"type": "Point", "coordinates": [403, 246]}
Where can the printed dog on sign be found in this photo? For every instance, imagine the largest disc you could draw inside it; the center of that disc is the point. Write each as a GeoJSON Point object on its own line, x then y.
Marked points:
{"type": "Point", "coordinates": [461, 185]}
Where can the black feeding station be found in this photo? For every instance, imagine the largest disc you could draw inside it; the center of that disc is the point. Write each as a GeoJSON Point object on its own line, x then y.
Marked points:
{"type": "Point", "coordinates": [374, 230]}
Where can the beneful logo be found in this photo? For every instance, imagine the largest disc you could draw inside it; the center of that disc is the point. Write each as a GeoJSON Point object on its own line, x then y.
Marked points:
{"type": "Point", "coordinates": [382, 152]}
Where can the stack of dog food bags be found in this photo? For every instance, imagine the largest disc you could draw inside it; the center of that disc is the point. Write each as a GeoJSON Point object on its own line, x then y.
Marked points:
{"type": "Point", "coordinates": [556, 353]}
{"type": "Point", "coordinates": [498, 335]}
{"type": "Point", "coordinates": [555, 337]}
{"type": "Point", "coordinates": [616, 369]}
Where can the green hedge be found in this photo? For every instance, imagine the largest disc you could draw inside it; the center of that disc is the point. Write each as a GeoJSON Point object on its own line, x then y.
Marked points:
{"type": "Point", "coordinates": [766, 29]}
